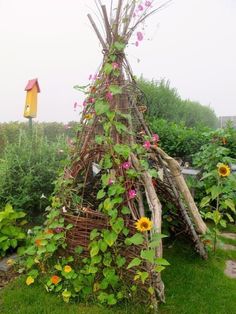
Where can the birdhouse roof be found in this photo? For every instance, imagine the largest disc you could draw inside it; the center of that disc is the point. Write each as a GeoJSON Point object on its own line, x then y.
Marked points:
{"type": "Point", "coordinates": [31, 84]}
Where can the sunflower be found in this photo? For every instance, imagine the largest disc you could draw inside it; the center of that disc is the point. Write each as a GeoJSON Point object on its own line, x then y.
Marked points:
{"type": "Point", "coordinates": [223, 170]}
{"type": "Point", "coordinates": [143, 224]}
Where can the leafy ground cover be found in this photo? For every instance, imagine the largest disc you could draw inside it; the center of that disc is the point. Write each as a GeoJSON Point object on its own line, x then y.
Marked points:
{"type": "Point", "coordinates": [193, 286]}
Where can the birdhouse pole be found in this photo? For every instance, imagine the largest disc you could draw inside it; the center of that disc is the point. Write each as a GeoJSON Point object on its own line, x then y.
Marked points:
{"type": "Point", "coordinates": [32, 89]}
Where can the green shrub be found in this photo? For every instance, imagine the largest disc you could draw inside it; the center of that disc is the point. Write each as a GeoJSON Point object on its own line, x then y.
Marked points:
{"type": "Point", "coordinates": [27, 171]}
{"type": "Point", "coordinates": [178, 140]}
{"type": "Point", "coordinates": [10, 231]}
{"type": "Point", "coordinates": [164, 102]}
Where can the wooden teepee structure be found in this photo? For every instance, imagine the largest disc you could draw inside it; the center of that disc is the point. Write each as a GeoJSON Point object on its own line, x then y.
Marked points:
{"type": "Point", "coordinates": [113, 142]}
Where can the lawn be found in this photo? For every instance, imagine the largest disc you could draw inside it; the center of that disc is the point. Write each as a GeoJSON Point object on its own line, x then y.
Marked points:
{"type": "Point", "coordinates": [193, 286]}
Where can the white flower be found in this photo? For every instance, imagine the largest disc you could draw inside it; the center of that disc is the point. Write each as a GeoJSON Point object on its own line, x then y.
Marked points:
{"type": "Point", "coordinates": [64, 209]}
{"type": "Point", "coordinates": [42, 196]}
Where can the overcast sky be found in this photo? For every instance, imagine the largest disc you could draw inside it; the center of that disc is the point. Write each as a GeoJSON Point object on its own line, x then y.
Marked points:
{"type": "Point", "coordinates": [192, 43]}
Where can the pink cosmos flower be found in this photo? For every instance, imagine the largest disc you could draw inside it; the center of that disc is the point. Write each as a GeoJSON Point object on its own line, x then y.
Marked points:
{"type": "Point", "coordinates": [140, 36]}
{"type": "Point", "coordinates": [147, 144]}
{"type": "Point", "coordinates": [155, 138]}
{"type": "Point", "coordinates": [126, 165]}
{"type": "Point", "coordinates": [109, 96]}
{"type": "Point", "coordinates": [132, 194]}
{"type": "Point", "coordinates": [136, 43]}
{"type": "Point", "coordinates": [84, 103]}
{"type": "Point", "coordinates": [115, 65]}
{"type": "Point", "coordinates": [148, 3]}
{"type": "Point", "coordinates": [140, 7]}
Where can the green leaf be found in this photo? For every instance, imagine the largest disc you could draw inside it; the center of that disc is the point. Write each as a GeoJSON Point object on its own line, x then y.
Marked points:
{"type": "Point", "coordinates": [108, 204]}
{"type": "Point", "coordinates": [123, 150]}
{"type": "Point", "coordinates": [116, 189]}
{"type": "Point", "coordinates": [229, 217]}
{"type": "Point", "coordinates": [162, 261]}
{"type": "Point", "coordinates": [101, 194]}
{"type": "Point", "coordinates": [120, 261]}
{"type": "Point", "coordinates": [107, 68]}
{"type": "Point", "coordinates": [120, 127]}
{"type": "Point", "coordinates": [136, 239]}
{"type": "Point", "coordinates": [80, 88]}
{"type": "Point", "coordinates": [101, 106]}
{"type": "Point", "coordinates": [119, 45]}
{"type": "Point", "coordinates": [135, 262]}
{"type": "Point", "coordinates": [102, 245]}
{"type": "Point", "coordinates": [148, 255]}
{"type": "Point", "coordinates": [110, 237]}
{"type": "Point", "coordinates": [115, 89]}
{"type": "Point", "coordinates": [94, 250]}
{"type": "Point", "coordinates": [118, 225]}
{"type": "Point", "coordinates": [107, 162]}
{"type": "Point", "coordinates": [205, 201]}
{"type": "Point", "coordinates": [94, 234]}
{"type": "Point", "coordinates": [215, 191]}
{"type": "Point", "coordinates": [99, 139]}
{"type": "Point", "coordinates": [230, 203]}
{"type": "Point", "coordinates": [125, 210]}
{"type": "Point", "coordinates": [159, 268]}
{"type": "Point", "coordinates": [143, 276]}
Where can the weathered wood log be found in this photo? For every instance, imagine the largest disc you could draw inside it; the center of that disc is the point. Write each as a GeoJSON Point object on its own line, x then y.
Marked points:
{"type": "Point", "coordinates": [183, 188]}
{"type": "Point", "coordinates": [156, 210]}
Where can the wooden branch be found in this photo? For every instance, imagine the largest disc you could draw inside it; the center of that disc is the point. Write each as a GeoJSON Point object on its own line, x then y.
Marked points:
{"type": "Point", "coordinates": [155, 208]}
{"type": "Point", "coordinates": [129, 18]}
{"type": "Point", "coordinates": [182, 186]}
{"type": "Point", "coordinates": [97, 32]}
{"type": "Point", "coordinates": [140, 203]}
{"type": "Point", "coordinates": [116, 23]}
{"type": "Point", "coordinates": [153, 201]}
{"type": "Point", "coordinates": [107, 24]}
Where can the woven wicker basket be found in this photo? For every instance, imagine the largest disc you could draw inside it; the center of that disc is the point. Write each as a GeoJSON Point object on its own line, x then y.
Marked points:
{"type": "Point", "coordinates": [89, 220]}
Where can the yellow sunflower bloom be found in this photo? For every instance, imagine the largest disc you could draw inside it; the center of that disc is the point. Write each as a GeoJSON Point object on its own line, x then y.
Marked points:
{"type": "Point", "coordinates": [143, 224]}
{"type": "Point", "coordinates": [88, 116]}
{"type": "Point", "coordinates": [67, 269]}
{"type": "Point", "coordinates": [223, 170]}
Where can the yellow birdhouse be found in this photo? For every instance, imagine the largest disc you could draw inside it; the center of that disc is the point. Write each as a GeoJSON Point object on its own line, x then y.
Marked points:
{"type": "Point", "coordinates": [32, 89]}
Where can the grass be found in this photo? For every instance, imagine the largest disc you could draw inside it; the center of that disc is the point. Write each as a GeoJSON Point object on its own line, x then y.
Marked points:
{"type": "Point", "coordinates": [193, 286]}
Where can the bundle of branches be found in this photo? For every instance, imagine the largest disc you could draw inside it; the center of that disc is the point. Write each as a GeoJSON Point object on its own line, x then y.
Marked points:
{"type": "Point", "coordinates": [109, 190]}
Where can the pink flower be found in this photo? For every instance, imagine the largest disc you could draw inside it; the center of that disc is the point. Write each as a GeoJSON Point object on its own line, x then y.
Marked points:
{"type": "Point", "coordinates": [115, 65]}
{"type": "Point", "coordinates": [140, 7]}
{"type": "Point", "coordinates": [155, 138]}
{"type": "Point", "coordinates": [91, 100]}
{"type": "Point", "coordinates": [140, 36]}
{"type": "Point", "coordinates": [126, 165]}
{"type": "Point", "coordinates": [147, 144]}
{"type": "Point", "coordinates": [148, 3]}
{"type": "Point", "coordinates": [95, 77]}
{"type": "Point", "coordinates": [110, 181]}
{"type": "Point", "coordinates": [67, 126]}
{"type": "Point", "coordinates": [84, 103]}
{"type": "Point", "coordinates": [136, 43]}
{"type": "Point", "coordinates": [132, 193]}
{"type": "Point", "coordinates": [90, 77]}
{"type": "Point", "coordinates": [109, 96]}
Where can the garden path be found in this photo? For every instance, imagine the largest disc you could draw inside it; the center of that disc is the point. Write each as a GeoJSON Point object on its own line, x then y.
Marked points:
{"type": "Point", "coordinates": [230, 265]}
